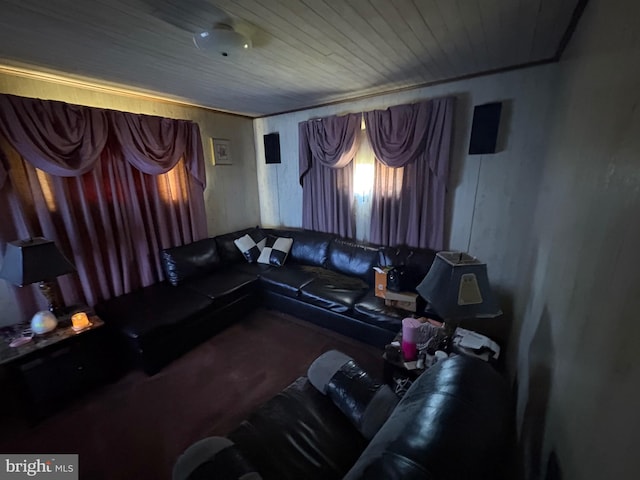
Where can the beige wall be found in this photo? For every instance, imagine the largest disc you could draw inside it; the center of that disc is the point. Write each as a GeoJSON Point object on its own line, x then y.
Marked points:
{"type": "Point", "coordinates": [231, 196]}
{"type": "Point", "coordinates": [491, 198]}
{"type": "Point", "coordinates": [578, 361]}
{"type": "Point", "coordinates": [555, 215]}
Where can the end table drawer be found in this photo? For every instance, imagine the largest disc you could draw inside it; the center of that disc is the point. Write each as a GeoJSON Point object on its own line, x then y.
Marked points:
{"type": "Point", "coordinates": [60, 374]}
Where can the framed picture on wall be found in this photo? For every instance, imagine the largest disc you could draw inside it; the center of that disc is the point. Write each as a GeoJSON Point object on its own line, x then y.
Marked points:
{"type": "Point", "coordinates": [221, 149]}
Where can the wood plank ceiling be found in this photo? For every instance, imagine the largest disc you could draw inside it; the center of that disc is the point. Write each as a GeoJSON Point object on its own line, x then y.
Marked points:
{"type": "Point", "coordinates": [305, 52]}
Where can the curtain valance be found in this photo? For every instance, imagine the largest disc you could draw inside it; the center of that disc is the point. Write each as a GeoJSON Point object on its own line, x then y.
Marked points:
{"type": "Point", "coordinates": [331, 141]}
{"type": "Point", "coordinates": [398, 134]}
{"type": "Point", "coordinates": [154, 144]}
{"type": "Point", "coordinates": [401, 134]}
{"type": "Point", "coordinates": [102, 197]}
{"type": "Point", "coordinates": [411, 143]}
{"type": "Point", "coordinates": [58, 138]}
{"type": "Point", "coordinates": [67, 140]}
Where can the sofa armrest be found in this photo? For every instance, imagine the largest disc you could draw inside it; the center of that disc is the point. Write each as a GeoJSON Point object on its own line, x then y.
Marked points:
{"type": "Point", "coordinates": [366, 402]}
{"type": "Point", "coordinates": [452, 423]}
{"type": "Point", "coordinates": [189, 261]}
{"type": "Point", "coordinates": [213, 457]}
{"type": "Point", "coordinates": [416, 263]}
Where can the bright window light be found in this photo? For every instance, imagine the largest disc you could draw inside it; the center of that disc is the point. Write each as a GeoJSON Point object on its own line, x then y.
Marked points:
{"type": "Point", "coordinates": [363, 179]}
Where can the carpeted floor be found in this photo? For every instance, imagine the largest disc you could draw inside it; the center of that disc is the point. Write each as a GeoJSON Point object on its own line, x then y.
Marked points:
{"type": "Point", "coordinates": [135, 428]}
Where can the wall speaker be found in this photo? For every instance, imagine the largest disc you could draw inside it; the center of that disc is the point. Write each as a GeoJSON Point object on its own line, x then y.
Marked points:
{"type": "Point", "coordinates": [272, 148]}
{"type": "Point", "coordinates": [484, 130]}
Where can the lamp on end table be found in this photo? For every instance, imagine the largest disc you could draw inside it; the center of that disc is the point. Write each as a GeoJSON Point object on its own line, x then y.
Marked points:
{"type": "Point", "coordinates": [457, 288]}
{"type": "Point", "coordinates": [36, 260]}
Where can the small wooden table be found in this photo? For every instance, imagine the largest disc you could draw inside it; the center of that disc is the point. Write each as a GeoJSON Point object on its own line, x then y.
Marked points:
{"type": "Point", "coordinates": [62, 332]}
{"type": "Point", "coordinates": [56, 367]}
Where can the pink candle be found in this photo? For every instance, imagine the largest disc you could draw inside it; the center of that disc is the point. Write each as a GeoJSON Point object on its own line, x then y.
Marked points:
{"type": "Point", "coordinates": [409, 337]}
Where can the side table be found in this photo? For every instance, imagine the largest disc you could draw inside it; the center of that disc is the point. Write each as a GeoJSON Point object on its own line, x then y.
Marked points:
{"type": "Point", "coordinates": [395, 372]}
{"type": "Point", "coordinates": [56, 367]}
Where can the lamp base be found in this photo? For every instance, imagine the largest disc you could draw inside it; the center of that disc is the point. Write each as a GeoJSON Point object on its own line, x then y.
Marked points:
{"type": "Point", "coordinates": [50, 292]}
{"type": "Point", "coordinates": [446, 341]}
{"type": "Point", "coordinates": [43, 322]}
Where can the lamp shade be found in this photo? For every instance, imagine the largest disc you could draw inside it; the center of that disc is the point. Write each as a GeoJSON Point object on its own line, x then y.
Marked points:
{"type": "Point", "coordinates": [33, 260]}
{"type": "Point", "coordinates": [457, 287]}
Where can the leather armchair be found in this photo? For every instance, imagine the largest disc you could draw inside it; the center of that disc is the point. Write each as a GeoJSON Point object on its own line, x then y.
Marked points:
{"type": "Point", "coordinates": [453, 423]}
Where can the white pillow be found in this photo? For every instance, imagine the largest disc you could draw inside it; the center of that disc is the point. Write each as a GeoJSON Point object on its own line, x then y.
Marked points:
{"type": "Point", "coordinates": [249, 247]}
{"type": "Point", "coordinates": [275, 251]}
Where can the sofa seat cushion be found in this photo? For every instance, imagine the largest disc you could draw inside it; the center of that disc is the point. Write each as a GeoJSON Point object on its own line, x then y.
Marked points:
{"type": "Point", "coordinates": [288, 280]}
{"type": "Point", "coordinates": [223, 287]}
{"type": "Point", "coordinates": [371, 309]}
{"type": "Point", "coordinates": [299, 434]}
{"type": "Point", "coordinates": [334, 291]}
{"type": "Point", "coordinates": [156, 307]}
{"type": "Point", "coordinates": [254, 269]}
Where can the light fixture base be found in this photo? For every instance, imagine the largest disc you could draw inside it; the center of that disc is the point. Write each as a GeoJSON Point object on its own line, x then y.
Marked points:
{"type": "Point", "coordinates": [222, 39]}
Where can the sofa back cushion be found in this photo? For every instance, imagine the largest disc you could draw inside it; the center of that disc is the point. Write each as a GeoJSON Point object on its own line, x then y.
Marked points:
{"type": "Point", "coordinates": [190, 261]}
{"type": "Point", "coordinates": [228, 250]}
{"type": "Point", "coordinates": [354, 259]}
{"type": "Point", "coordinates": [309, 247]}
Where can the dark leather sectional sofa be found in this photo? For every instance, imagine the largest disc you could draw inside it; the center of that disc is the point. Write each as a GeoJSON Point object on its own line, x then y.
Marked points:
{"type": "Point", "coordinates": [453, 423]}
{"type": "Point", "coordinates": [326, 280]}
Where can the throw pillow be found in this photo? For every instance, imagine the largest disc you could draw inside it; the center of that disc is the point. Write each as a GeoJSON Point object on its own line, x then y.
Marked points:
{"type": "Point", "coordinates": [275, 251]}
{"type": "Point", "coordinates": [250, 247]}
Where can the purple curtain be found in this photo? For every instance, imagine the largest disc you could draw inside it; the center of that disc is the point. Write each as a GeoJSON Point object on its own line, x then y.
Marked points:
{"type": "Point", "coordinates": [56, 137]}
{"type": "Point", "coordinates": [326, 150]}
{"type": "Point", "coordinates": [110, 206]}
{"type": "Point", "coordinates": [411, 144]}
{"type": "Point", "coordinates": [154, 145]}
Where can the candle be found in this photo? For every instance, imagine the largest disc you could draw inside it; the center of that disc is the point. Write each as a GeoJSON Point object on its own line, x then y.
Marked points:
{"type": "Point", "coordinates": [80, 321]}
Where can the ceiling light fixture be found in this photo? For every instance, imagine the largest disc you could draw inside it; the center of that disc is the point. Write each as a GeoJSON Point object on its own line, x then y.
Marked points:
{"type": "Point", "coordinates": [222, 39]}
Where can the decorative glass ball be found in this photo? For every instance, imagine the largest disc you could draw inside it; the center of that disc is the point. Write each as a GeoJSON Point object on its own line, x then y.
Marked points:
{"type": "Point", "coordinates": [43, 322]}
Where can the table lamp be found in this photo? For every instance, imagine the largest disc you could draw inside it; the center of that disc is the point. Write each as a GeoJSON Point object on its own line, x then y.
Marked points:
{"type": "Point", "coordinates": [36, 260]}
{"type": "Point", "coordinates": [457, 288]}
